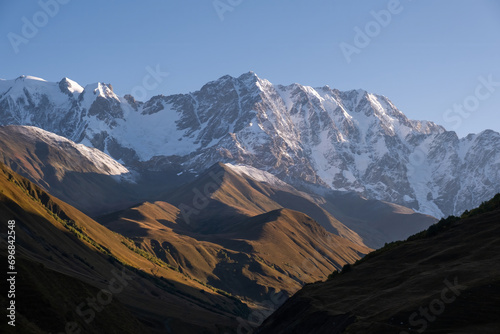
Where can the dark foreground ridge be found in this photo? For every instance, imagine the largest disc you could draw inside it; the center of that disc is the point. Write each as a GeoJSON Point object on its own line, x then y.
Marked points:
{"type": "Point", "coordinates": [443, 280]}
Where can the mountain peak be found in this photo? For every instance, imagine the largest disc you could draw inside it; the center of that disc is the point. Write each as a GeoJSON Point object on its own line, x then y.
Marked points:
{"type": "Point", "coordinates": [101, 89]}
{"type": "Point", "coordinates": [68, 85]}
{"type": "Point", "coordinates": [248, 78]}
{"type": "Point", "coordinates": [250, 75]}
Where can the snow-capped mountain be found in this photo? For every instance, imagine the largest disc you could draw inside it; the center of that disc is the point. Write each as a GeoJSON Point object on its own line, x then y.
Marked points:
{"type": "Point", "coordinates": [85, 177]}
{"type": "Point", "coordinates": [348, 141]}
{"type": "Point", "coordinates": [97, 161]}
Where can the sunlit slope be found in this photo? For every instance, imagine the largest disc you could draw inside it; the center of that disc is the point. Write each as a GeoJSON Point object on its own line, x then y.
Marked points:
{"type": "Point", "coordinates": [225, 230]}
{"type": "Point", "coordinates": [71, 247]}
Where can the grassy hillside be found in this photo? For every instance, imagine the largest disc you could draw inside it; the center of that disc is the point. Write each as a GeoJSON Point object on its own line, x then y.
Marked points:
{"type": "Point", "coordinates": [235, 237]}
{"type": "Point", "coordinates": [77, 256]}
{"type": "Point", "coordinates": [443, 280]}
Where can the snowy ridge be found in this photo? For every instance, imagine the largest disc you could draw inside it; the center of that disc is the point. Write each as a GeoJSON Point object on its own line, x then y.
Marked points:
{"type": "Point", "coordinates": [103, 163]}
{"type": "Point", "coordinates": [256, 174]}
{"type": "Point", "coordinates": [343, 140]}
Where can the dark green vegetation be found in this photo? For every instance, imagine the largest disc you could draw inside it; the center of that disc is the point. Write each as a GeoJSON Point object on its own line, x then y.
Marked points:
{"type": "Point", "coordinates": [445, 279]}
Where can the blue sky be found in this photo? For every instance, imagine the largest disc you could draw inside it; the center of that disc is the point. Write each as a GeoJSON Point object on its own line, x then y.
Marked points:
{"type": "Point", "coordinates": [429, 57]}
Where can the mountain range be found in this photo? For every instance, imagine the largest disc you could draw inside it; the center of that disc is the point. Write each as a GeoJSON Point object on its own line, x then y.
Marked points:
{"type": "Point", "coordinates": [218, 246]}
{"type": "Point", "coordinates": [316, 139]}
{"type": "Point", "coordinates": [219, 205]}
{"type": "Point", "coordinates": [161, 277]}
{"type": "Point", "coordinates": [93, 182]}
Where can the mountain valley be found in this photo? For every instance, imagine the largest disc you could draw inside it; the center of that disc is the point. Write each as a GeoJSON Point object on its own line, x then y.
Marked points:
{"type": "Point", "coordinates": [209, 205]}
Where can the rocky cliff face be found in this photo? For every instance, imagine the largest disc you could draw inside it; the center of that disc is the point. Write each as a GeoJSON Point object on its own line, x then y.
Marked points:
{"type": "Point", "coordinates": [348, 141]}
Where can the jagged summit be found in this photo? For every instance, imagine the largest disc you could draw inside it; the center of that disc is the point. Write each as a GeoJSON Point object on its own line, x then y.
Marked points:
{"type": "Point", "coordinates": [322, 137]}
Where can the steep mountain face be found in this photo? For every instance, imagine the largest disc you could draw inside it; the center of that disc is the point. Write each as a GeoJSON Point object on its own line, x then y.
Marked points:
{"type": "Point", "coordinates": [346, 141]}
{"type": "Point", "coordinates": [93, 182]}
{"type": "Point", "coordinates": [443, 280]}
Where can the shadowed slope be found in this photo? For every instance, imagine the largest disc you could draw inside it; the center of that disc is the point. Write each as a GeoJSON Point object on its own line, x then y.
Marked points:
{"type": "Point", "coordinates": [377, 222]}
{"type": "Point", "coordinates": [83, 177]}
{"type": "Point", "coordinates": [69, 249]}
{"type": "Point", "coordinates": [210, 203]}
{"type": "Point", "coordinates": [275, 251]}
{"type": "Point", "coordinates": [61, 166]}
{"type": "Point", "coordinates": [225, 230]}
{"type": "Point", "coordinates": [444, 280]}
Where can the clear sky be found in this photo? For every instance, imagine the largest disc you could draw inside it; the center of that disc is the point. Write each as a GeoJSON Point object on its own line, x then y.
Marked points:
{"type": "Point", "coordinates": [427, 56]}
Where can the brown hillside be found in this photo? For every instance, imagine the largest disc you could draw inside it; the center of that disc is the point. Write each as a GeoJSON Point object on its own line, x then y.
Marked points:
{"type": "Point", "coordinates": [67, 174]}
{"type": "Point", "coordinates": [64, 248]}
{"type": "Point", "coordinates": [445, 280]}
{"type": "Point", "coordinates": [239, 240]}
